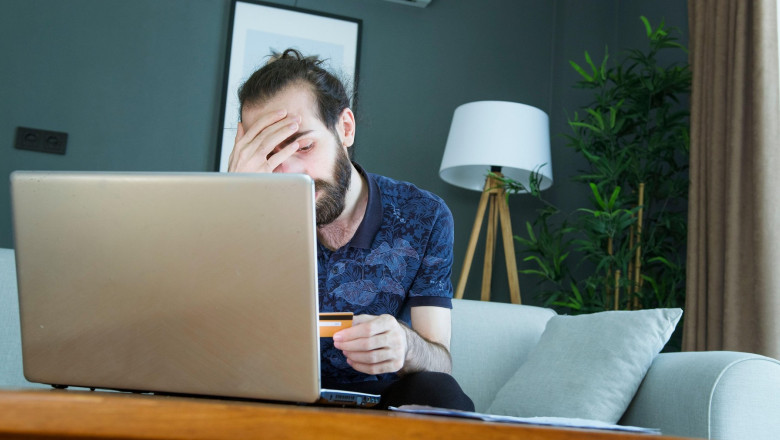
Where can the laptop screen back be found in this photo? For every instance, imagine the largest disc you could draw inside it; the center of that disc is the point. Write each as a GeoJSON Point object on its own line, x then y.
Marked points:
{"type": "Point", "coordinates": [194, 283]}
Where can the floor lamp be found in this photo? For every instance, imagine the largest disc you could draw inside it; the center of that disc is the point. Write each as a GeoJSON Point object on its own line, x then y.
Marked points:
{"type": "Point", "coordinates": [511, 140]}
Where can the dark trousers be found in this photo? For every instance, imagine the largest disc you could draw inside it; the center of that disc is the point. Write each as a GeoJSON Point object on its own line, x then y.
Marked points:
{"type": "Point", "coordinates": [424, 388]}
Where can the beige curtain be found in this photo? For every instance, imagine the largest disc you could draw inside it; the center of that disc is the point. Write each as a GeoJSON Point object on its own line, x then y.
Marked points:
{"type": "Point", "coordinates": [733, 286]}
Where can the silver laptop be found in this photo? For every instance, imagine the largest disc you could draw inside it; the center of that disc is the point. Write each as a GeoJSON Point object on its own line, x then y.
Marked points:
{"type": "Point", "coordinates": [182, 283]}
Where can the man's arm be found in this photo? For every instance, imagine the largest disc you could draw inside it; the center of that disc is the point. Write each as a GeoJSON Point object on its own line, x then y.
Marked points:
{"type": "Point", "coordinates": [428, 345]}
{"type": "Point", "coordinates": [381, 344]}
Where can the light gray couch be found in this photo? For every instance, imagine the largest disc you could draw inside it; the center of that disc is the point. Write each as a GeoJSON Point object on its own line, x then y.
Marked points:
{"type": "Point", "coordinates": [715, 395]}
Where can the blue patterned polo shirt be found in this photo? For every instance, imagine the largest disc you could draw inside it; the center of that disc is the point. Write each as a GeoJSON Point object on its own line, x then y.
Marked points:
{"type": "Point", "coordinates": [400, 257]}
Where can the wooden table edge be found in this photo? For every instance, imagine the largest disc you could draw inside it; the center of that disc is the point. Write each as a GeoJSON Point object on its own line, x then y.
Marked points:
{"type": "Point", "coordinates": [85, 414]}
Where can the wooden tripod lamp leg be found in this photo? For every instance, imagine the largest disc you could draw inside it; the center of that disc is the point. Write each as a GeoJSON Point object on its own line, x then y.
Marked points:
{"type": "Point", "coordinates": [509, 248]}
{"type": "Point", "coordinates": [464, 273]}
{"type": "Point", "coordinates": [493, 199]}
{"type": "Point", "coordinates": [490, 247]}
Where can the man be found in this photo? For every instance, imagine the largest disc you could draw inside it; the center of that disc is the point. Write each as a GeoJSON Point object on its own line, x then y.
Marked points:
{"type": "Point", "coordinates": [384, 247]}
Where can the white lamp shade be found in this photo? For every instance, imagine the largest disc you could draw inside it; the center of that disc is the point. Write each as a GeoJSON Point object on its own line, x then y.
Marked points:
{"type": "Point", "coordinates": [514, 136]}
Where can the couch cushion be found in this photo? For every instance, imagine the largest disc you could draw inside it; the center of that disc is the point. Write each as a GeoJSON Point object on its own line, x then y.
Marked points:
{"type": "Point", "coordinates": [587, 366]}
{"type": "Point", "coordinates": [489, 341]}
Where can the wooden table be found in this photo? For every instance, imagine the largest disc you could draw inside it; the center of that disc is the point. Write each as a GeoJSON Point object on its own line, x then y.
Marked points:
{"type": "Point", "coordinates": [84, 414]}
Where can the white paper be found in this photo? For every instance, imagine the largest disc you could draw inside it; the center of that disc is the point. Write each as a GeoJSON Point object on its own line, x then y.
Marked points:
{"type": "Point", "coordinates": [544, 421]}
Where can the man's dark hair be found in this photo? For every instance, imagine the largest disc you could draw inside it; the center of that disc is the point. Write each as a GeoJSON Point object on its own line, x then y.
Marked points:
{"type": "Point", "coordinates": [290, 68]}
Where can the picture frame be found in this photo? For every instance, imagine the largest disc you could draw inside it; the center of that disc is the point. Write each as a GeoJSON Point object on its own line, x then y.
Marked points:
{"type": "Point", "coordinates": [256, 28]}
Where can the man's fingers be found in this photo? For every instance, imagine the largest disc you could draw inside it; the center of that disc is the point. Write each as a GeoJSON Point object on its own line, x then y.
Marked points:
{"type": "Point", "coordinates": [265, 121]}
{"type": "Point", "coordinates": [361, 330]}
{"type": "Point", "coordinates": [374, 344]}
{"type": "Point", "coordinates": [364, 327]}
{"type": "Point", "coordinates": [275, 135]}
{"type": "Point", "coordinates": [264, 136]}
{"type": "Point", "coordinates": [265, 142]}
{"type": "Point", "coordinates": [390, 366]}
{"type": "Point", "coordinates": [369, 336]}
{"type": "Point", "coordinates": [369, 325]}
{"type": "Point", "coordinates": [363, 344]}
{"type": "Point", "coordinates": [234, 152]}
{"type": "Point", "coordinates": [359, 319]}
{"type": "Point", "coordinates": [251, 151]}
{"type": "Point", "coordinates": [370, 357]}
{"type": "Point", "coordinates": [245, 135]}
{"type": "Point", "coordinates": [282, 155]}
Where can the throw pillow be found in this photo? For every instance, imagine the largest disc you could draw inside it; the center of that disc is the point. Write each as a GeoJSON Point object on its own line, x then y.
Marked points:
{"type": "Point", "coordinates": [587, 366]}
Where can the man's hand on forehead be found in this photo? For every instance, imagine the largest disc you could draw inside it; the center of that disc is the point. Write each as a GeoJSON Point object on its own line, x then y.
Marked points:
{"type": "Point", "coordinates": [266, 143]}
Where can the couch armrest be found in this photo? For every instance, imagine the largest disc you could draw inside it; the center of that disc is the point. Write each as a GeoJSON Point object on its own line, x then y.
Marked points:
{"type": "Point", "coordinates": [10, 339]}
{"type": "Point", "coordinates": [712, 394]}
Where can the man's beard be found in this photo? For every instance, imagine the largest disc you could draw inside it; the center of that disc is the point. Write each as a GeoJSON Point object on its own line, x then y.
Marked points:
{"type": "Point", "coordinates": [333, 195]}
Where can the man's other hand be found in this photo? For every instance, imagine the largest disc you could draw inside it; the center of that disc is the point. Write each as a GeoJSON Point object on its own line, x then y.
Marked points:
{"type": "Point", "coordinates": [374, 344]}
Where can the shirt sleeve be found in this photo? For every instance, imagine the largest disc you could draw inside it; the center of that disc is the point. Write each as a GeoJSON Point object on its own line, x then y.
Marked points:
{"type": "Point", "coordinates": [432, 285]}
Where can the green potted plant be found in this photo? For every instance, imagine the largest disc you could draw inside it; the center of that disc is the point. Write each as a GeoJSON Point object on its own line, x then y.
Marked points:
{"type": "Point", "coordinates": [629, 241]}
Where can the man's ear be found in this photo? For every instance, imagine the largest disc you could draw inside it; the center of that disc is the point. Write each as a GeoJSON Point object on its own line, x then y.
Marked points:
{"type": "Point", "coordinates": [346, 127]}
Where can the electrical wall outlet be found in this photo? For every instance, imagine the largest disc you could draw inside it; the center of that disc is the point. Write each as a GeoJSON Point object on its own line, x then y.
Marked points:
{"type": "Point", "coordinates": [44, 141]}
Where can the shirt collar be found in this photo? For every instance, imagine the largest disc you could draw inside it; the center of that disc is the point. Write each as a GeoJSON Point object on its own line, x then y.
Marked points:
{"type": "Point", "coordinates": [372, 219]}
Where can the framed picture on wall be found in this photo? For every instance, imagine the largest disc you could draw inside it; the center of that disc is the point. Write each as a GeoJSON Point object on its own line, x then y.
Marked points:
{"type": "Point", "coordinates": [258, 29]}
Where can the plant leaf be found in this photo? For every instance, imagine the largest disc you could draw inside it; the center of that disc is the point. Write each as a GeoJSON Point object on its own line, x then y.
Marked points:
{"type": "Point", "coordinates": [581, 71]}
{"type": "Point", "coordinates": [648, 28]}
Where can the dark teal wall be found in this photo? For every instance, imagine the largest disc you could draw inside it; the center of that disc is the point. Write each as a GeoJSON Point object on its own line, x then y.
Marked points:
{"type": "Point", "coordinates": [137, 83]}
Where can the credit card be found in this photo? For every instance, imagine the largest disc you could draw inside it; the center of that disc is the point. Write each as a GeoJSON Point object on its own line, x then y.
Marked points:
{"type": "Point", "coordinates": [331, 322]}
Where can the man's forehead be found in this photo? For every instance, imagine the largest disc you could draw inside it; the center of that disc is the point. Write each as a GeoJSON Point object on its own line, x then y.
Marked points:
{"type": "Point", "coordinates": [296, 99]}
